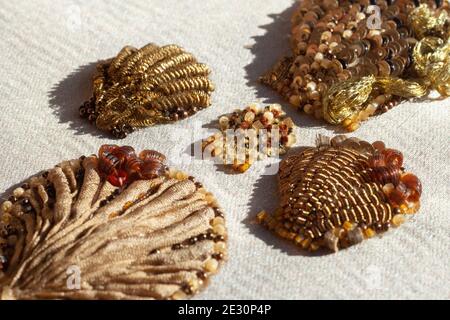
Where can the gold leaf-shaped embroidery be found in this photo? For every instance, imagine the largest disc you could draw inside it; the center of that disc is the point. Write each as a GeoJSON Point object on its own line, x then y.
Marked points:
{"type": "Point", "coordinates": [147, 86]}
{"type": "Point", "coordinates": [341, 192]}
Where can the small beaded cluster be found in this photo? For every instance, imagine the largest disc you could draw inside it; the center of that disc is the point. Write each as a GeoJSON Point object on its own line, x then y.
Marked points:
{"type": "Point", "coordinates": [332, 41]}
{"type": "Point", "coordinates": [88, 111]}
{"type": "Point", "coordinates": [147, 86]}
{"type": "Point", "coordinates": [256, 129]}
{"type": "Point", "coordinates": [121, 165]}
{"type": "Point", "coordinates": [341, 192]}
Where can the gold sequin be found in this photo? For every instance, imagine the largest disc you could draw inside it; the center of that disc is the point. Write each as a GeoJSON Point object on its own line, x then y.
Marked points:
{"type": "Point", "coordinates": [357, 63]}
{"type": "Point", "coordinates": [143, 87]}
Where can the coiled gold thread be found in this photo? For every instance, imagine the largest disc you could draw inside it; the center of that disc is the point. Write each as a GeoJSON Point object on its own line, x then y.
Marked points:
{"type": "Point", "coordinates": [120, 58]}
{"type": "Point", "coordinates": [176, 73]}
{"type": "Point", "coordinates": [163, 59]}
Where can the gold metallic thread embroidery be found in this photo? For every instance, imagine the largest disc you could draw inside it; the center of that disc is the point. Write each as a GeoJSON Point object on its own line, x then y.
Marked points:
{"type": "Point", "coordinates": [249, 135]}
{"type": "Point", "coordinates": [341, 192]}
{"type": "Point", "coordinates": [143, 87]}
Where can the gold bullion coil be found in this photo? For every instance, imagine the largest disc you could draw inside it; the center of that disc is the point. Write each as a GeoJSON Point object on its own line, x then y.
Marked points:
{"type": "Point", "coordinates": [147, 86]}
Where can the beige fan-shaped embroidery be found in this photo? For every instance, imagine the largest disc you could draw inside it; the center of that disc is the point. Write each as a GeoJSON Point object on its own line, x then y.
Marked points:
{"type": "Point", "coordinates": [335, 44]}
{"type": "Point", "coordinates": [341, 192]}
{"type": "Point", "coordinates": [155, 239]}
{"type": "Point", "coordinates": [147, 86]}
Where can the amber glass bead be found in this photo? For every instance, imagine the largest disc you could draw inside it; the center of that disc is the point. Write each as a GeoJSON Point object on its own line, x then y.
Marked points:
{"type": "Point", "coordinates": [412, 182]}
{"type": "Point", "coordinates": [122, 166]}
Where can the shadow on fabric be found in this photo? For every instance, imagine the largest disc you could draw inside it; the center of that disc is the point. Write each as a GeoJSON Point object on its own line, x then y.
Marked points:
{"type": "Point", "coordinates": [267, 50]}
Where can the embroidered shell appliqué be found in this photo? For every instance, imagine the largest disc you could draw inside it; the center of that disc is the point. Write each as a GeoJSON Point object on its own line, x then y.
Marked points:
{"type": "Point", "coordinates": [113, 226]}
{"type": "Point", "coordinates": [341, 192]}
{"type": "Point", "coordinates": [334, 42]}
{"type": "Point", "coordinates": [143, 87]}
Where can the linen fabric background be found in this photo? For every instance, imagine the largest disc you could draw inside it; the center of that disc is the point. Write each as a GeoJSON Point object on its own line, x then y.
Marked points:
{"type": "Point", "coordinates": [48, 54]}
